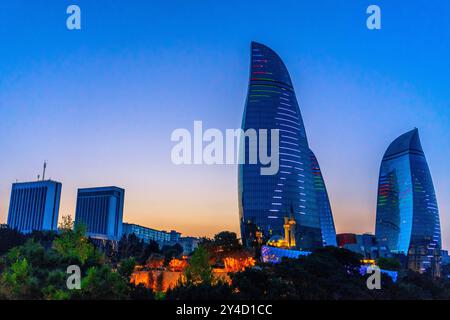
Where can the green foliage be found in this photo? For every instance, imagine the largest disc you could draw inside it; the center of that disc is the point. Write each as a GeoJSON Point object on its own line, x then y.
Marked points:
{"type": "Point", "coordinates": [100, 283]}
{"type": "Point", "coordinates": [34, 271]}
{"type": "Point", "coordinates": [74, 246]}
{"type": "Point", "coordinates": [10, 238]}
{"type": "Point", "coordinates": [198, 270]}
{"type": "Point", "coordinates": [415, 286]}
{"type": "Point", "coordinates": [170, 252]}
{"type": "Point", "coordinates": [331, 274]}
{"type": "Point", "coordinates": [253, 284]}
{"type": "Point", "coordinates": [45, 238]}
{"type": "Point", "coordinates": [389, 264]}
{"type": "Point", "coordinates": [159, 295]}
{"type": "Point", "coordinates": [18, 281]}
{"type": "Point", "coordinates": [132, 247]}
{"type": "Point", "coordinates": [326, 274]}
{"type": "Point", "coordinates": [227, 241]}
{"type": "Point", "coordinates": [223, 243]}
{"type": "Point", "coordinates": [53, 286]}
{"type": "Point", "coordinates": [31, 268]}
{"type": "Point", "coordinates": [126, 268]}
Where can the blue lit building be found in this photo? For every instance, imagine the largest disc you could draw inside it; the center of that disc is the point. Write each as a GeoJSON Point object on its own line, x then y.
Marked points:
{"type": "Point", "coordinates": [445, 257]}
{"type": "Point", "coordinates": [162, 237]}
{"type": "Point", "coordinates": [189, 244]}
{"type": "Point", "coordinates": [34, 206]}
{"type": "Point", "coordinates": [271, 254]}
{"type": "Point", "coordinates": [148, 234]}
{"type": "Point", "coordinates": [265, 200]}
{"type": "Point", "coordinates": [101, 210]}
{"type": "Point", "coordinates": [363, 244]}
{"type": "Point", "coordinates": [392, 274]}
{"type": "Point", "coordinates": [323, 203]}
{"type": "Point", "coordinates": [407, 213]}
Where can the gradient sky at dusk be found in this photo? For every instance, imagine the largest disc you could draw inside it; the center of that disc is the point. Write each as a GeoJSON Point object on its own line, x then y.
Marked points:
{"type": "Point", "coordinates": [101, 103]}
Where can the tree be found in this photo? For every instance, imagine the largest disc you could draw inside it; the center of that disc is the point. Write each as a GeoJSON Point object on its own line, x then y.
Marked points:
{"type": "Point", "coordinates": [325, 274]}
{"type": "Point", "coordinates": [36, 271]}
{"type": "Point", "coordinates": [389, 264]}
{"type": "Point", "coordinates": [227, 241]}
{"type": "Point", "coordinates": [252, 284]}
{"type": "Point", "coordinates": [45, 238]}
{"type": "Point", "coordinates": [198, 270]}
{"type": "Point", "coordinates": [26, 272]}
{"type": "Point", "coordinates": [130, 246]}
{"type": "Point", "coordinates": [10, 238]}
{"type": "Point", "coordinates": [224, 245]}
{"type": "Point", "coordinates": [17, 282]}
{"type": "Point", "coordinates": [100, 283]}
{"type": "Point", "coordinates": [74, 246]}
{"type": "Point", "coordinates": [149, 249]}
{"type": "Point", "coordinates": [126, 268]}
{"type": "Point", "coordinates": [171, 252]}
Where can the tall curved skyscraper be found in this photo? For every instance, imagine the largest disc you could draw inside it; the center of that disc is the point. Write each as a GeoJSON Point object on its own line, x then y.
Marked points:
{"type": "Point", "coordinates": [323, 203]}
{"type": "Point", "coordinates": [407, 212]}
{"type": "Point", "coordinates": [264, 201]}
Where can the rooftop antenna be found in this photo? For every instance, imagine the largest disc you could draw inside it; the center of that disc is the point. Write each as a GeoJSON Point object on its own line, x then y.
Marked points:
{"type": "Point", "coordinates": [43, 172]}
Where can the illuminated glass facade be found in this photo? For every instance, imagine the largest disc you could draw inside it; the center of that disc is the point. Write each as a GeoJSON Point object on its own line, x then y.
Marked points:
{"type": "Point", "coordinates": [264, 201]}
{"type": "Point", "coordinates": [407, 213]}
{"type": "Point", "coordinates": [323, 203]}
{"type": "Point", "coordinates": [101, 210]}
{"type": "Point", "coordinates": [34, 206]}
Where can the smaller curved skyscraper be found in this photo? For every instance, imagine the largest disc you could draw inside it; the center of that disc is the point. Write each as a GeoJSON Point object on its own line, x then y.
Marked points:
{"type": "Point", "coordinates": [323, 203]}
{"type": "Point", "coordinates": [407, 212]}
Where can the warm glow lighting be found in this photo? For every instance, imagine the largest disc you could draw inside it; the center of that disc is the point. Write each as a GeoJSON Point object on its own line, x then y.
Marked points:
{"type": "Point", "coordinates": [369, 261]}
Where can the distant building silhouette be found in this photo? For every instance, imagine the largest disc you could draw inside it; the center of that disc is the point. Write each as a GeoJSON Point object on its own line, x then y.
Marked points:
{"type": "Point", "coordinates": [407, 213]}
{"type": "Point", "coordinates": [344, 239]}
{"type": "Point", "coordinates": [189, 244]}
{"type": "Point", "coordinates": [364, 244]}
{"type": "Point", "coordinates": [162, 237]}
{"type": "Point", "coordinates": [148, 234]}
{"type": "Point", "coordinates": [101, 210]}
{"type": "Point", "coordinates": [34, 206]}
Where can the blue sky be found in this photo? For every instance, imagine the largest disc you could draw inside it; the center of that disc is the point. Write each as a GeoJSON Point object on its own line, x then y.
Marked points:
{"type": "Point", "coordinates": [100, 103]}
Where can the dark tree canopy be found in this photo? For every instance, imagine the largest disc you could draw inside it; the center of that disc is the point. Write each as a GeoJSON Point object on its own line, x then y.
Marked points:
{"type": "Point", "coordinates": [33, 266]}
{"type": "Point", "coordinates": [10, 238]}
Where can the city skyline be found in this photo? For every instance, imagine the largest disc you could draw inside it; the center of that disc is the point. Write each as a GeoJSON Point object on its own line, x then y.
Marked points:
{"type": "Point", "coordinates": [99, 105]}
